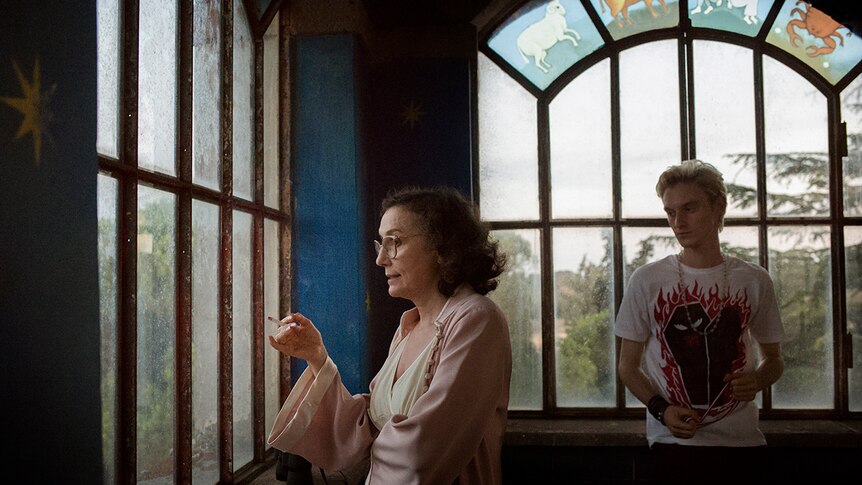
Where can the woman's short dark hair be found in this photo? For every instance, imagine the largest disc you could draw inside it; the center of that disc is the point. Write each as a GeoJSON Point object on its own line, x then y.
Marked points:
{"type": "Point", "coordinates": [451, 226]}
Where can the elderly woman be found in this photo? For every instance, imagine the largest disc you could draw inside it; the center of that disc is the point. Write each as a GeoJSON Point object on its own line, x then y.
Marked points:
{"type": "Point", "coordinates": [436, 413]}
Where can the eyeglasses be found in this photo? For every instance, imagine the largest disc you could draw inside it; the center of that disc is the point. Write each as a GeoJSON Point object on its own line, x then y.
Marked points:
{"type": "Point", "coordinates": [390, 244]}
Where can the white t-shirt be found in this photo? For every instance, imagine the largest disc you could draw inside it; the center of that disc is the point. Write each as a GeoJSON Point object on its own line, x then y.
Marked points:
{"type": "Point", "coordinates": [687, 355]}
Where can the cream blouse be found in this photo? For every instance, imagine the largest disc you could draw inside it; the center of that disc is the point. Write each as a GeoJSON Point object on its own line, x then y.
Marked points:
{"type": "Point", "coordinates": [390, 397]}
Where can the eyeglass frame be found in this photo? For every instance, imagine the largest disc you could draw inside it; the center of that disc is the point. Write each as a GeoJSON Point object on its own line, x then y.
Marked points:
{"type": "Point", "coordinates": [379, 245]}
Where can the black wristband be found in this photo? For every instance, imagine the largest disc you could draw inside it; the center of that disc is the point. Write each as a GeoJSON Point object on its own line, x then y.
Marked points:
{"type": "Point", "coordinates": [657, 406]}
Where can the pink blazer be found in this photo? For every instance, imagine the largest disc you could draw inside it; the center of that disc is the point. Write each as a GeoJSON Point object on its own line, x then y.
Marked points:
{"type": "Point", "coordinates": [454, 431]}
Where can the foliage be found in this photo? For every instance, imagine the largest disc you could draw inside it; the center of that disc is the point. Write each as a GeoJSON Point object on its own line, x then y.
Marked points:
{"type": "Point", "coordinates": [518, 296]}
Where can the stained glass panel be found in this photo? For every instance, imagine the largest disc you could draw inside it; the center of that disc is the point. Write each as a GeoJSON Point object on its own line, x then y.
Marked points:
{"type": "Point", "coordinates": [623, 18]}
{"type": "Point", "coordinates": [543, 39]}
{"type": "Point", "coordinates": [817, 40]}
{"type": "Point", "coordinates": [741, 16]}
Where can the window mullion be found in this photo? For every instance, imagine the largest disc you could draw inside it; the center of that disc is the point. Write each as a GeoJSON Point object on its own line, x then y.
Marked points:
{"type": "Point", "coordinates": [841, 360]}
{"type": "Point", "coordinates": [616, 184]}
{"type": "Point", "coordinates": [547, 303]}
{"type": "Point", "coordinates": [225, 342]}
{"type": "Point", "coordinates": [259, 385]}
{"type": "Point", "coordinates": [183, 456]}
{"type": "Point", "coordinates": [686, 98]}
{"type": "Point", "coordinates": [128, 248]}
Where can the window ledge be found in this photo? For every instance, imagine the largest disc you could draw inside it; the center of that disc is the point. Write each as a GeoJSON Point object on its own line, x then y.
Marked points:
{"type": "Point", "coordinates": [632, 433]}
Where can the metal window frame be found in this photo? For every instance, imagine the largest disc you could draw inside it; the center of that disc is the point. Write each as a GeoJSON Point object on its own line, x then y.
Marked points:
{"type": "Point", "coordinates": [128, 175]}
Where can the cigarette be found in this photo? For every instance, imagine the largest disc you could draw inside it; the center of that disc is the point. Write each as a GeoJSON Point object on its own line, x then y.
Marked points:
{"type": "Point", "coordinates": [281, 324]}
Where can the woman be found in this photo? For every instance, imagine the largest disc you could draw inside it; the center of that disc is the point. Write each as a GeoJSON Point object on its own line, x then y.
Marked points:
{"type": "Point", "coordinates": [436, 413]}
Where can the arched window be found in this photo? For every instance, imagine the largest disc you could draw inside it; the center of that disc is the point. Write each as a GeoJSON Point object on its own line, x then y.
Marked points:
{"type": "Point", "coordinates": [583, 103]}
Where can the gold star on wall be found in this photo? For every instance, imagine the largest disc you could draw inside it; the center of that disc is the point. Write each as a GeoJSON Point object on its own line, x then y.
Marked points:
{"type": "Point", "coordinates": [34, 106]}
{"type": "Point", "coordinates": [412, 114]}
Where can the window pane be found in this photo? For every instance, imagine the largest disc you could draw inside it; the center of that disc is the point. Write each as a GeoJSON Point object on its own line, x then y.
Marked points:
{"type": "Point", "coordinates": [853, 292]}
{"type": "Point", "coordinates": [157, 86]}
{"type": "Point", "coordinates": [583, 317]}
{"type": "Point", "coordinates": [508, 156]}
{"type": "Point", "coordinates": [800, 265]}
{"type": "Point", "coordinates": [851, 112]}
{"type": "Point", "coordinates": [107, 211]}
{"type": "Point", "coordinates": [741, 242]}
{"type": "Point", "coordinates": [724, 119]}
{"type": "Point", "coordinates": [519, 296]}
{"type": "Point", "coordinates": [156, 386]}
{"type": "Point", "coordinates": [649, 123]}
{"type": "Point", "coordinates": [642, 245]}
{"type": "Point", "coordinates": [243, 104]}
{"type": "Point", "coordinates": [206, 118]}
{"type": "Point", "coordinates": [108, 119]}
{"type": "Point", "coordinates": [580, 120]}
{"type": "Point", "coordinates": [271, 289]}
{"type": "Point", "coordinates": [205, 341]}
{"type": "Point", "coordinates": [270, 116]}
{"type": "Point", "coordinates": [243, 379]}
{"type": "Point", "coordinates": [797, 152]}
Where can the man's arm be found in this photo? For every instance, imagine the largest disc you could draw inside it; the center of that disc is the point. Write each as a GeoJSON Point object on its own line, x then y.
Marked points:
{"type": "Point", "coordinates": [682, 422]}
{"type": "Point", "coordinates": [746, 386]}
{"type": "Point", "coordinates": [631, 373]}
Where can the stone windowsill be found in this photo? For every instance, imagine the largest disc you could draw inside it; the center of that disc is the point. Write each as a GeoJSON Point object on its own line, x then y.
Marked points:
{"type": "Point", "coordinates": [631, 432]}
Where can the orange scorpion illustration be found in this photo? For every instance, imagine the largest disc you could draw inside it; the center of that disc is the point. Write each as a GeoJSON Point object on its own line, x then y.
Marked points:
{"type": "Point", "coordinates": [817, 24]}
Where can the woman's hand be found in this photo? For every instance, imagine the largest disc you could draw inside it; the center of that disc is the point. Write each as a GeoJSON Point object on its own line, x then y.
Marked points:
{"type": "Point", "coordinates": [298, 337]}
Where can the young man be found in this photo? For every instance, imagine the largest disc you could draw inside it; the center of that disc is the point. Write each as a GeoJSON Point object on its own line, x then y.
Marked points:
{"type": "Point", "coordinates": [698, 318]}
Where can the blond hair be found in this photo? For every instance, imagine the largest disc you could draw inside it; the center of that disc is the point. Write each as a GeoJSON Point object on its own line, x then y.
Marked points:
{"type": "Point", "coordinates": [703, 175]}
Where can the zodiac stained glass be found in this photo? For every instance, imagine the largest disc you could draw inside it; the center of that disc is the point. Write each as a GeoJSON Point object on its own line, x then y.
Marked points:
{"type": "Point", "coordinates": [623, 18]}
{"type": "Point", "coordinates": [544, 38]}
{"type": "Point", "coordinates": [816, 39]}
{"type": "Point", "coordinates": [741, 16]}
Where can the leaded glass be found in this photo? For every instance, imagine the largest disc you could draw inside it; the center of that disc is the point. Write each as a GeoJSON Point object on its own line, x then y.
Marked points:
{"type": "Point", "coordinates": [741, 16]}
{"type": "Point", "coordinates": [543, 39]}
{"type": "Point", "coordinates": [814, 38]}
{"type": "Point", "coordinates": [623, 18]}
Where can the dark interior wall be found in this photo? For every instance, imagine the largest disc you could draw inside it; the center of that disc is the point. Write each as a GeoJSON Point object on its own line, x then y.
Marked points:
{"type": "Point", "coordinates": [413, 92]}
{"type": "Point", "coordinates": [49, 294]}
{"type": "Point", "coordinates": [417, 133]}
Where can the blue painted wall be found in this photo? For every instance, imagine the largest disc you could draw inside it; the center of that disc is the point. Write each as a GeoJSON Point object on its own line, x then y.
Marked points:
{"type": "Point", "coordinates": [49, 293]}
{"type": "Point", "coordinates": [353, 142]}
{"type": "Point", "coordinates": [330, 246]}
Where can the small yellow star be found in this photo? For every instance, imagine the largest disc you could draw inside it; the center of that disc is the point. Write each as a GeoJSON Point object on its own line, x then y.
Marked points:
{"type": "Point", "coordinates": [34, 106]}
{"type": "Point", "coordinates": [412, 114]}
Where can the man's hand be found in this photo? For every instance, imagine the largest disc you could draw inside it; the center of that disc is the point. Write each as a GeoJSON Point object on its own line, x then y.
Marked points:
{"type": "Point", "coordinates": [682, 422]}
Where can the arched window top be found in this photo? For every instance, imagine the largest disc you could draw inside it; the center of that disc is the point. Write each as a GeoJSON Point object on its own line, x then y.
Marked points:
{"type": "Point", "coordinates": [542, 39]}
